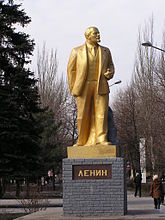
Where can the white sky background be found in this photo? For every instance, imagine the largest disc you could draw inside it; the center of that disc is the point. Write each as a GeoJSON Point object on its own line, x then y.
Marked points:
{"type": "Point", "coordinates": [62, 23]}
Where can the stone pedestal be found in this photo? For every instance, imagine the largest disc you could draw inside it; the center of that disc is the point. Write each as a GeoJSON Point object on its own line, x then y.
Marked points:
{"type": "Point", "coordinates": [95, 151]}
{"type": "Point", "coordinates": [94, 187]}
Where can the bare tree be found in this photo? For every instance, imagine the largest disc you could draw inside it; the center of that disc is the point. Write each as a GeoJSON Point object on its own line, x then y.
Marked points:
{"type": "Point", "coordinates": [140, 108]}
{"type": "Point", "coordinates": [55, 95]}
{"type": "Point", "coordinates": [47, 76]}
{"type": "Point", "coordinates": [125, 112]}
{"type": "Point", "coordinates": [147, 91]}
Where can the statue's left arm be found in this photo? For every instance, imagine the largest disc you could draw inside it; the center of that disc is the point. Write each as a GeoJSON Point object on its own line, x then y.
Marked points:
{"type": "Point", "coordinates": [110, 67]}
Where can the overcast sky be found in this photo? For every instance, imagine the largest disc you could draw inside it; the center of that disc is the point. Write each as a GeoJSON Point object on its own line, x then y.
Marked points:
{"type": "Point", "coordinates": [61, 24]}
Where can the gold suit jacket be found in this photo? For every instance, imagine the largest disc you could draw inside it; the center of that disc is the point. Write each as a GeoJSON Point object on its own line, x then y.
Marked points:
{"type": "Point", "coordinates": [77, 70]}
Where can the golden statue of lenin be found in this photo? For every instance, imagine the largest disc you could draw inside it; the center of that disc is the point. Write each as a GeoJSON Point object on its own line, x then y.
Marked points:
{"type": "Point", "coordinates": [89, 68]}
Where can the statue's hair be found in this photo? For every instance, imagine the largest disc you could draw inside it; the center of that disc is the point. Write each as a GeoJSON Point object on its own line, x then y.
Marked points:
{"type": "Point", "coordinates": [89, 30]}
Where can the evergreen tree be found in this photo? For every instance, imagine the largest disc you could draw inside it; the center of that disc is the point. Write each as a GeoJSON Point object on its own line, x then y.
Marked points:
{"type": "Point", "coordinates": [51, 151]}
{"type": "Point", "coordinates": [19, 100]}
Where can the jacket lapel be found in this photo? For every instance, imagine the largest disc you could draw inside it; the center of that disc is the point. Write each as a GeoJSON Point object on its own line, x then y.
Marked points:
{"type": "Point", "coordinates": [83, 55]}
{"type": "Point", "coordinates": [102, 56]}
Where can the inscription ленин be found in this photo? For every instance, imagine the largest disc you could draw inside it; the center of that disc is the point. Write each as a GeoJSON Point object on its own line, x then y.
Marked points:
{"type": "Point", "coordinates": [92, 171]}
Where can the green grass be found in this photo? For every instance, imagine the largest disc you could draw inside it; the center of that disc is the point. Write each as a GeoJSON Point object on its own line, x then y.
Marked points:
{"type": "Point", "coordinates": [10, 216]}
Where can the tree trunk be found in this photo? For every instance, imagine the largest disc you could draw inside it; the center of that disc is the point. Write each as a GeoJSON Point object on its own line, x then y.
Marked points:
{"type": "Point", "coordinates": [18, 188]}
{"type": "Point", "coordinates": [152, 154]}
{"type": "Point", "coordinates": [1, 189]}
{"type": "Point", "coordinates": [53, 180]}
{"type": "Point", "coordinates": [27, 187]}
{"type": "Point", "coordinates": [2, 186]}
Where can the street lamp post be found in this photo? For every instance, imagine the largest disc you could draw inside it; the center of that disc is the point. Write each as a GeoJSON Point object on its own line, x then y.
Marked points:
{"type": "Point", "coordinates": [117, 82]}
{"type": "Point", "coordinates": [149, 44]}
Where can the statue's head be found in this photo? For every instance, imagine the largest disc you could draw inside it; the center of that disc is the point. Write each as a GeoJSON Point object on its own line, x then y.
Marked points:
{"type": "Point", "coordinates": [92, 35]}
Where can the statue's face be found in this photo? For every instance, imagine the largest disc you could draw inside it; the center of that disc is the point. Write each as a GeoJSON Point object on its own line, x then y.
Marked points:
{"type": "Point", "coordinates": [94, 36]}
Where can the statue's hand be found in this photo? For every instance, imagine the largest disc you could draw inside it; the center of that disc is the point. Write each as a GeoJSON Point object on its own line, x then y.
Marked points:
{"type": "Point", "coordinates": [73, 94]}
{"type": "Point", "coordinates": [108, 74]}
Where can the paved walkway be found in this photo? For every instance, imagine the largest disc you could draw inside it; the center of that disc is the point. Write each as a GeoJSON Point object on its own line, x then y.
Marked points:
{"type": "Point", "coordinates": [138, 208]}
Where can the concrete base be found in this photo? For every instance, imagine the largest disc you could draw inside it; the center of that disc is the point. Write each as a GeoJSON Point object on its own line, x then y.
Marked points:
{"type": "Point", "coordinates": [96, 151]}
{"type": "Point", "coordinates": [94, 197]}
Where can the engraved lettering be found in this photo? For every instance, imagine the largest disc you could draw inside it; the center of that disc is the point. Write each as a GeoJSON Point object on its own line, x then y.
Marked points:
{"type": "Point", "coordinates": [92, 172]}
{"type": "Point", "coordinates": [98, 172]}
{"type": "Point", "coordinates": [86, 172]}
{"type": "Point", "coordinates": [80, 173]}
{"type": "Point", "coordinates": [104, 173]}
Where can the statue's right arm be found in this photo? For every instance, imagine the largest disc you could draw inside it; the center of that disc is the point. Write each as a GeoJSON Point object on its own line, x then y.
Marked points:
{"type": "Point", "coordinates": [71, 69]}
